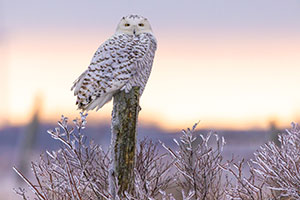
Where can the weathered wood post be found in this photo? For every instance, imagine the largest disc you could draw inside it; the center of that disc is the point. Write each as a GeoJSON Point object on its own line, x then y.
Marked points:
{"type": "Point", "coordinates": [123, 130]}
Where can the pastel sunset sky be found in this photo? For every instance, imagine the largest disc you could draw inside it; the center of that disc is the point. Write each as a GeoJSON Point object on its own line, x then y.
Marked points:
{"type": "Point", "coordinates": [228, 63]}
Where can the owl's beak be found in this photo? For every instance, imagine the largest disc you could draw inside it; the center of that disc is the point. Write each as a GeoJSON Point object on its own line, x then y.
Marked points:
{"type": "Point", "coordinates": [134, 29]}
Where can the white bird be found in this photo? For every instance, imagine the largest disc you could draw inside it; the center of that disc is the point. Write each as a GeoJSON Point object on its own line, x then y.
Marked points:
{"type": "Point", "coordinates": [121, 62]}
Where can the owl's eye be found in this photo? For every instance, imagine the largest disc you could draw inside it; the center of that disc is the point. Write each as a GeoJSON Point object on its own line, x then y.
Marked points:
{"type": "Point", "coordinates": [141, 24]}
{"type": "Point", "coordinates": [126, 24]}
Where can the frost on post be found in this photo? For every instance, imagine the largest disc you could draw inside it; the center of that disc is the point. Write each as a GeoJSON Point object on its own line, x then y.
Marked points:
{"type": "Point", "coordinates": [123, 139]}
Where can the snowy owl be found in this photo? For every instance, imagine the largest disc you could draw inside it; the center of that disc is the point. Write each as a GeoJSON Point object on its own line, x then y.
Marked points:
{"type": "Point", "coordinates": [121, 62]}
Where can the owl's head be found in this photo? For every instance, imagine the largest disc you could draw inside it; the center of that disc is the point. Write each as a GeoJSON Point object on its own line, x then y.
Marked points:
{"type": "Point", "coordinates": [134, 25]}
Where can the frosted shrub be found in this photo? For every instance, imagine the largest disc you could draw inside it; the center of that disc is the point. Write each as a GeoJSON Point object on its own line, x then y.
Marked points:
{"type": "Point", "coordinates": [244, 187]}
{"type": "Point", "coordinates": [274, 171]}
{"type": "Point", "coordinates": [198, 163]}
{"type": "Point", "coordinates": [76, 171]}
{"type": "Point", "coordinates": [80, 170]}
{"type": "Point", "coordinates": [279, 166]}
{"type": "Point", "coordinates": [151, 171]}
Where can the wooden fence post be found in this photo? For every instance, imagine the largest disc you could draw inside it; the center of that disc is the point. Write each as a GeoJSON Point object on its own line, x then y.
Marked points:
{"type": "Point", "coordinates": [123, 129]}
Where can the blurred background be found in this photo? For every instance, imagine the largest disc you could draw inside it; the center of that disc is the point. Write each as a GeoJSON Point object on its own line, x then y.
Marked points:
{"type": "Point", "coordinates": [234, 65]}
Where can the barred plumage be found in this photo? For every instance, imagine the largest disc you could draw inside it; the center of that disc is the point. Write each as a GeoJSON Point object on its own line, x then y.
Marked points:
{"type": "Point", "coordinates": [123, 61]}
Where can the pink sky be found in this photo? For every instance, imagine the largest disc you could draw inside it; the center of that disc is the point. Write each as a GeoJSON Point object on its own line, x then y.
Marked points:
{"type": "Point", "coordinates": [228, 66]}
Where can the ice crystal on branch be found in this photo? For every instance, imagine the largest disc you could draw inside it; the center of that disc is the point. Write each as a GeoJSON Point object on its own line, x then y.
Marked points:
{"type": "Point", "coordinates": [76, 171]}
{"type": "Point", "coordinates": [198, 165]}
{"type": "Point", "coordinates": [274, 171]}
{"type": "Point", "coordinates": [278, 166]}
{"type": "Point", "coordinates": [245, 187]}
{"type": "Point", "coordinates": [80, 170]}
{"type": "Point", "coordinates": [151, 170]}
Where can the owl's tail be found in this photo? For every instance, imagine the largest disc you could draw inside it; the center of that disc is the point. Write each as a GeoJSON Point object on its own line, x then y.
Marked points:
{"type": "Point", "coordinates": [85, 95]}
{"type": "Point", "coordinates": [98, 102]}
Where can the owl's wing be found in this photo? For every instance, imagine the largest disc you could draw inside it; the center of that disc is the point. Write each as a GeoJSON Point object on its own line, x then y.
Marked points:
{"type": "Point", "coordinates": [112, 66]}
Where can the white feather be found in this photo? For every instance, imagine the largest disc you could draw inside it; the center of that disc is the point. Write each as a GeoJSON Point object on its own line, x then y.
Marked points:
{"type": "Point", "coordinates": [78, 82]}
{"type": "Point", "coordinates": [99, 102]}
